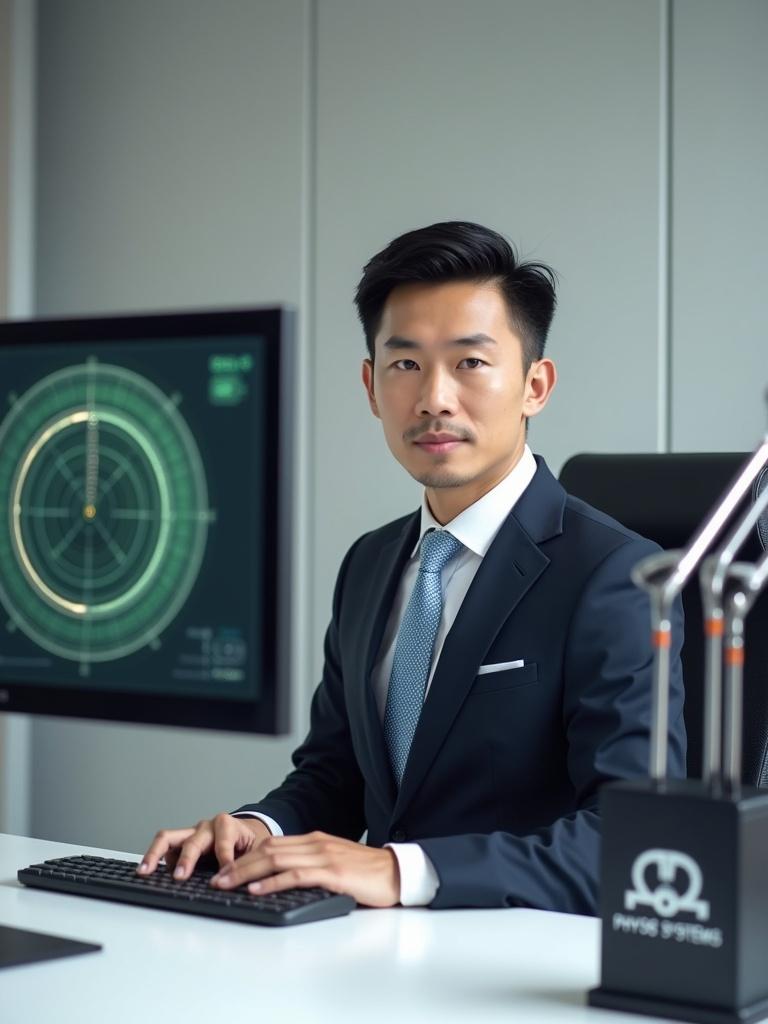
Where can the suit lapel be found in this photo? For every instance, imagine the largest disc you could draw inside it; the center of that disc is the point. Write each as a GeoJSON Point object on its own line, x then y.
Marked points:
{"type": "Point", "coordinates": [509, 569]}
{"type": "Point", "coordinates": [385, 575]}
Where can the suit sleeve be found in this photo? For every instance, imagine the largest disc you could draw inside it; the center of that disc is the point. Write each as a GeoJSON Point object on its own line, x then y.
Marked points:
{"type": "Point", "coordinates": [325, 789]}
{"type": "Point", "coordinates": [607, 677]}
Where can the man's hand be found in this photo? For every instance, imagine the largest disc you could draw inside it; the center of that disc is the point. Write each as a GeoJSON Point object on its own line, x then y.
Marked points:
{"type": "Point", "coordinates": [224, 836]}
{"type": "Point", "coordinates": [370, 875]}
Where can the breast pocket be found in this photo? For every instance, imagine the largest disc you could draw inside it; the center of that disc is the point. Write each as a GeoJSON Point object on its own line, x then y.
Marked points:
{"type": "Point", "coordinates": [505, 679]}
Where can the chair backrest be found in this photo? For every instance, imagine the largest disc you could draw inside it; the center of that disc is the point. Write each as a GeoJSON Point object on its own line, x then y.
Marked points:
{"type": "Point", "coordinates": [665, 498]}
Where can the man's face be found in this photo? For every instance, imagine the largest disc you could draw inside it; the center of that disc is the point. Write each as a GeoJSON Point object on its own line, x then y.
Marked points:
{"type": "Point", "coordinates": [448, 385]}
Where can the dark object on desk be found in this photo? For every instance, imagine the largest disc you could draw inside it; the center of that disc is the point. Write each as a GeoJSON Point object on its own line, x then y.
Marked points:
{"type": "Point", "coordinates": [18, 946]}
{"type": "Point", "coordinates": [683, 900]}
{"type": "Point", "coordinates": [117, 880]}
{"type": "Point", "coordinates": [683, 891]}
{"type": "Point", "coordinates": [665, 497]}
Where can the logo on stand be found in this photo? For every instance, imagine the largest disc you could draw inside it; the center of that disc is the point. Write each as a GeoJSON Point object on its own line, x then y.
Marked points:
{"type": "Point", "coordinates": [654, 873]}
{"type": "Point", "coordinates": [664, 899]}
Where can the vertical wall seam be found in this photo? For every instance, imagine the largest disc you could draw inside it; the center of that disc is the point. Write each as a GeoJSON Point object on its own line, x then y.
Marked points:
{"type": "Point", "coordinates": [312, 325]}
{"type": "Point", "coordinates": [22, 176]}
{"type": "Point", "coordinates": [664, 328]}
{"type": "Point", "coordinates": [307, 360]}
{"type": "Point", "coordinates": [16, 756]}
{"type": "Point", "coordinates": [5, 152]}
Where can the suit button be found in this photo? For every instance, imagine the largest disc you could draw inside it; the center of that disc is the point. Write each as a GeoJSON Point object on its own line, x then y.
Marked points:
{"type": "Point", "coordinates": [398, 836]}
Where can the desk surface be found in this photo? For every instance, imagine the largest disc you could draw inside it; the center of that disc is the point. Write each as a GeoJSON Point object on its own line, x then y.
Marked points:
{"type": "Point", "coordinates": [375, 965]}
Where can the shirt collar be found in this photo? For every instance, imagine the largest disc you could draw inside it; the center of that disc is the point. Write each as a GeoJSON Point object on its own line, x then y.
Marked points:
{"type": "Point", "coordinates": [477, 525]}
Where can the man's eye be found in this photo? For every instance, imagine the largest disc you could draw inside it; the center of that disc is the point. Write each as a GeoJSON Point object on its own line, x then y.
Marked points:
{"type": "Point", "coordinates": [407, 364]}
{"type": "Point", "coordinates": [472, 363]}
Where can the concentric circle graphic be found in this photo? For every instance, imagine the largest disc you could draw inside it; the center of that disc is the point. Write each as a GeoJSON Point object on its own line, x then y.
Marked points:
{"type": "Point", "coordinates": [105, 499]}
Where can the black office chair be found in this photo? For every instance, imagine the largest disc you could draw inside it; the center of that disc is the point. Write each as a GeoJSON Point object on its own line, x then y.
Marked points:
{"type": "Point", "coordinates": [665, 498]}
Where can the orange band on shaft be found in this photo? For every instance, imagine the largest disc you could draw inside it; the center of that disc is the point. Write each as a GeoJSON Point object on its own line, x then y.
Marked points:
{"type": "Point", "coordinates": [734, 656]}
{"type": "Point", "coordinates": [713, 627]}
{"type": "Point", "coordinates": [661, 638]}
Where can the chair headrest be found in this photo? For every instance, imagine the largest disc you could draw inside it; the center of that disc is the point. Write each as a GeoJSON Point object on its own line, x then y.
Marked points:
{"type": "Point", "coordinates": [662, 496]}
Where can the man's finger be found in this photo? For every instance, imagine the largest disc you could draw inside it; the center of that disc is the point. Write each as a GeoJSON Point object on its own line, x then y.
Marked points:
{"type": "Point", "coordinates": [171, 860]}
{"type": "Point", "coordinates": [164, 841]}
{"type": "Point", "coordinates": [226, 832]}
{"type": "Point", "coordinates": [307, 839]}
{"type": "Point", "coordinates": [300, 844]}
{"type": "Point", "coordinates": [297, 878]}
{"type": "Point", "coordinates": [191, 851]}
{"type": "Point", "coordinates": [251, 868]}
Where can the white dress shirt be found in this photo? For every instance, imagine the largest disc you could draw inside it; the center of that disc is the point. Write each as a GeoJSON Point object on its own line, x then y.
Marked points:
{"type": "Point", "coordinates": [475, 527]}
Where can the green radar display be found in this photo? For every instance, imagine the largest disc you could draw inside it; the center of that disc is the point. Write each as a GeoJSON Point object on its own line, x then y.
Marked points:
{"type": "Point", "coordinates": [106, 504]}
{"type": "Point", "coordinates": [146, 517]}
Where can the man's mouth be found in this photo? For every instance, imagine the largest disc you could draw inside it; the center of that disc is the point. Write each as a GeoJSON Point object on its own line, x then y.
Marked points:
{"type": "Point", "coordinates": [438, 444]}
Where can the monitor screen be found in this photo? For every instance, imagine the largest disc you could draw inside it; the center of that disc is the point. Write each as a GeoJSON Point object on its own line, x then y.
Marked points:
{"type": "Point", "coordinates": [145, 517]}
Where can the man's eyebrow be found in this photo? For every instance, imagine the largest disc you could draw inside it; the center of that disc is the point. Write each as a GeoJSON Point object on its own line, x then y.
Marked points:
{"type": "Point", "coordinates": [397, 342]}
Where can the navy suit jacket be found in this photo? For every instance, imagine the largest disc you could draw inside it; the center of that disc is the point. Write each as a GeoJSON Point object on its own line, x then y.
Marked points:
{"type": "Point", "coordinates": [501, 785]}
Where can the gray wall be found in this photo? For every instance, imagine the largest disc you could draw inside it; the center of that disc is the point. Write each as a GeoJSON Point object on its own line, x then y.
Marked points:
{"type": "Point", "coordinates": [5, 201]}
{"type": "Point", "coordinates": [5, 148]}
{"type": "Point", "coordinates": [17, 126]}
{"type": "Point", "coordinates": [540, 119]}
{"type": "Point", "coordinates": [720, 257]}
{"type": "Point", "coordinates": [171, 155]}
{"type": "Point", "coordinates": [197, 154]}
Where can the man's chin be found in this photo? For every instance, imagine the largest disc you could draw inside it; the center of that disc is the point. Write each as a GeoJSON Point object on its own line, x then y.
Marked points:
{"type": "Point", "coordinates": [442, 478]}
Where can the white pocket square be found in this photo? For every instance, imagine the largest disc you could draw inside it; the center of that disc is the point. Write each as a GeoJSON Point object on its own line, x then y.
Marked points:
{"type": "Point", "coordinates": [500, 666]}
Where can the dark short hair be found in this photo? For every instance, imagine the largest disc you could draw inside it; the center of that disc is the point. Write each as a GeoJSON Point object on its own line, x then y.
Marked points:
{"type": "Point", "coordinates": [461, 251]}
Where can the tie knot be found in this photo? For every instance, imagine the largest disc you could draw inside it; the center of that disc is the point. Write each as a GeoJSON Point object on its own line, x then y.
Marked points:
{"type": "Point", "coordinates": [437, 548]}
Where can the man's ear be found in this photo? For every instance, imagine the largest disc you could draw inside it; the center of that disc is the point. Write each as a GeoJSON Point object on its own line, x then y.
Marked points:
{"type": "Point", "coordinates": [539, 384]}
{"type": "Point", "coordinates": [368, 384]}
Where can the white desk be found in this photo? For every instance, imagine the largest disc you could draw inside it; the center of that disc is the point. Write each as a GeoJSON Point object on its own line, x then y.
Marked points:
{"type": "Point", "coordinates": [390, 966]}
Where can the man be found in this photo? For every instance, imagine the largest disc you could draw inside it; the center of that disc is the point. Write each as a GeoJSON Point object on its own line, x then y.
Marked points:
{"type": "Point", "coordinates": [487, 666]}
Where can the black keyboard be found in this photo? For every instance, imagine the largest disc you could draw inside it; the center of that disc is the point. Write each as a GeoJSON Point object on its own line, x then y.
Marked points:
{"type": "Point", "coordinates": [108, 879]}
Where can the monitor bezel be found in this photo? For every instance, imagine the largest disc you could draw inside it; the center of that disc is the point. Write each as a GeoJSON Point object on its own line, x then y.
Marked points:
{"type": "Point", "coordinates": [270, 714]}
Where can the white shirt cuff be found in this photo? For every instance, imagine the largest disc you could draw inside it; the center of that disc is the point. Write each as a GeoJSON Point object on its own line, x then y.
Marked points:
{"type": "Point", "coordinates": [418, 879]}
{"type": "Point", "coordinates": [271, 824]}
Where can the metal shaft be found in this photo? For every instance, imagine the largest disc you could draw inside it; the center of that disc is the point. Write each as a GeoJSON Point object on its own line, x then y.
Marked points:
{"type": "Point", "coordinates": [744, 582]}
{"type": "Point", "coordinates": [714, 571]}
{"type": "Point", "coordinates": [717, 519]}
{"type": "Point", "coordinates": [651, 574]}
{"type": "Point", "coordinates": [663, 577]}
{"type": "Point", "coordinates": [662, 640]}
{"type": "Point", "coordinates": [733, 710]}
{"type": "Point", "coordinates": [713, 695]}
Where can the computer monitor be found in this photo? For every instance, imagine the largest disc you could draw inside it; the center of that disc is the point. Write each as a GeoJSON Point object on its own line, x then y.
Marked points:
{"type": "Point", "coordinates": [145, 518]}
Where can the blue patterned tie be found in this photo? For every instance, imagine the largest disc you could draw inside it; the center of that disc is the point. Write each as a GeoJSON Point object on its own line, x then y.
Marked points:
{"type": "Point", "coordinates": [413, 650]}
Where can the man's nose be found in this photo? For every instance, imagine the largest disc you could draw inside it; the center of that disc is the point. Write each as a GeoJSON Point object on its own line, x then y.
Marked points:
{"type": "Point", "coordinates": [437, 395]}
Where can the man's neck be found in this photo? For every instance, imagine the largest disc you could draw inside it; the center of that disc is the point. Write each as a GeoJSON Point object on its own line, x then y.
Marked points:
{"type": "Point", "coordinates": [445, 503]}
